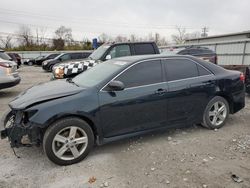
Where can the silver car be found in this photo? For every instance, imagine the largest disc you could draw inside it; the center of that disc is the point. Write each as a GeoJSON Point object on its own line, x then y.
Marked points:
{"type": "Point", "coordinates": [8, 75]}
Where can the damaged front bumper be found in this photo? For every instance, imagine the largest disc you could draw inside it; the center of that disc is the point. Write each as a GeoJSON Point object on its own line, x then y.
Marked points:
{"type": "Point", "coordinates": [18, 131]}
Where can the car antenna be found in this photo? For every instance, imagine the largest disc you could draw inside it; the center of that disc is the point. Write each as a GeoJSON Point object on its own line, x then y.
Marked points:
{"type": "Point", "coordinates": [15, 153]}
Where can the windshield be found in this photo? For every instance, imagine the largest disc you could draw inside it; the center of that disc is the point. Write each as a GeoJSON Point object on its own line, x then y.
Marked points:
{"type": "Point", "coordinates": [57, 57]}
{"type": "Point", "coordinates": [99, 73]}
{"type": "Point", "coordinates": [39, 57]}
{"type": "Point", "coordinates": [4, 56]}
{"type": "Point", "coordinates": [98, 53]}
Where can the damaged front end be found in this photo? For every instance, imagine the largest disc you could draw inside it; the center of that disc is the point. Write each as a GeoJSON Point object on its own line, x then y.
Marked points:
{"type": "Point", "coordinates": [17, 128]}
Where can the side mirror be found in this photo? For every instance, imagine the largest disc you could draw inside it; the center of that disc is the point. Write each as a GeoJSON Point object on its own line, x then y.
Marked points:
{"type": "Point", "coordinates": [108, 57]}
{"type": "Point", "coordinates": [60, 59]}
{"type": "Point", "coordinates": [116, 85]}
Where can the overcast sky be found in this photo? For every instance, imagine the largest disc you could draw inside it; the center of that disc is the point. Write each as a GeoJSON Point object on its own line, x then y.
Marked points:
{"type": "Point", "coordinates": [90, 18]}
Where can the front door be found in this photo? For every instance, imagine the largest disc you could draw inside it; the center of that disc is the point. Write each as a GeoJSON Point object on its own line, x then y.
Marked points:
{"type": "Point", "coordinates": [140, 106]}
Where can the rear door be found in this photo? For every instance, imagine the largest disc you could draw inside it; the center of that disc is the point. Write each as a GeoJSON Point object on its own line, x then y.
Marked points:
{"type": "Point", "coordinates": [189, 89]}
{"type": "Point", "coordinates": [140, 106]}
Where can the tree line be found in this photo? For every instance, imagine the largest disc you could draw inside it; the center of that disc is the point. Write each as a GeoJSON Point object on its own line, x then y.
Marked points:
{"type": "Point", "coordinates": [27, 40]}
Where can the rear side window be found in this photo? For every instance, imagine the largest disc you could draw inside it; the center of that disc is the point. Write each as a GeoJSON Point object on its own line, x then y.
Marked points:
{"type": "Point", "coordinates": [177, 69]}
{"type": "Point", "coordinates": [202, 71]}
{"type": "Point", "coordinates": [144, 73]}
{"type": "Point", "coordinates": [141, 49]}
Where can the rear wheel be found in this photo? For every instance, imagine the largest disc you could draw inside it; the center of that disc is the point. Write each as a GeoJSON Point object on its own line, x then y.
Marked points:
{"type": "Point", "coordinates": [216, 113]}
{"type": "Point", "coordinates": [68, 141]}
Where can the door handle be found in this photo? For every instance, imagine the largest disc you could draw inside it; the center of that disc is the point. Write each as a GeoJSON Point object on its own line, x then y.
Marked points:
{"type": "Point", "coordinates": [208, 82]}
{"type": "Point", "coordinates": [160, 91]}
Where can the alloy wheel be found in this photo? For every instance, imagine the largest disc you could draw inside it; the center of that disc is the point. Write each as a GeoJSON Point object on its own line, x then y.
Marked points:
{"type": "Point", "coordinates": [70, 143]}
{"type": "Point", "coordinates": [217, 113]}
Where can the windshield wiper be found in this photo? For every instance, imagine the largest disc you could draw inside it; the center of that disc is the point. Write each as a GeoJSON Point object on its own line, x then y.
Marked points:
{"type": "Point", "coordinates": [71, 81]}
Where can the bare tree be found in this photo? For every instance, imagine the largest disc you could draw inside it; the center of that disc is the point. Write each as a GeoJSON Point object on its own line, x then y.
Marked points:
{"type": "Point", "coordinates": [104, 38]}
{"type": "Point", "coordinates": [25, 36]}
{"type": "Point", "coordinates": [120, 38]}
{"type": "Point", "coordinates": [6, 42]}
{"type": "Point", "coordinates": [64, 34]}
{"type": "Point", "coordinates": [181, 36]}
{"type": "Point", "coordinates": [193, 35]}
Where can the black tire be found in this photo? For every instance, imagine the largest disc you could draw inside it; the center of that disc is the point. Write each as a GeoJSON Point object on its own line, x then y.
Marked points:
{"type": "Point", "coordinates": [60, 125]}
{"type": "Point", "coordinates": [50, 68]}
{"type": "Point", "coordinates": [206, 117]}
{"type": "Point", "coordinates": [30, 63]}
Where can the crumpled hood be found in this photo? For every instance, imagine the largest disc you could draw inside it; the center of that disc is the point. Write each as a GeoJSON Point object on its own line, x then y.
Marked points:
{"type": "Point", "coordinates": [43, 92]}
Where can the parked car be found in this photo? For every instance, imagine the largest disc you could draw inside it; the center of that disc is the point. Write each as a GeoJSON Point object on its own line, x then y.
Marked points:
{"type": "Point", "coordinates": [197, 51]}
{"type": "Point", "coordinates": [15, 57]}
{"type": "Point", "coordinates": [103, 53]}
{"type": "Point", "coordinates": [4, 56]}
{"type": "Point", "coordinates": [32, 61]}
{"type": "Point", "coordinates": [48, 64]}
{"type": "Point", "coordinates": [8, 75]}
{"type": "Point", "coordinates": [40, 59]}
{"type": "Point", "coordinates": [121, 98]}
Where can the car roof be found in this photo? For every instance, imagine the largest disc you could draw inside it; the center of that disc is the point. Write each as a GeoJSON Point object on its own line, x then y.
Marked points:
{"type": "Point", "coordinates": [128, 42]}
{"type": "Point", "coordinates": [133, 59]}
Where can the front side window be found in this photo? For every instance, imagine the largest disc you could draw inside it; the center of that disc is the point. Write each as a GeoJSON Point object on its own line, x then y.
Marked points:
{"type": "Point", "coordinates": [144, 73]}
{"type": "Point", "coordinates": [65, 57]}
{"type": "Point", "coordinates": [120, 51]}
{"type": "Point", "coordinates": [177, 69]}
{"type": "Point", "coordinates": [76, 56]}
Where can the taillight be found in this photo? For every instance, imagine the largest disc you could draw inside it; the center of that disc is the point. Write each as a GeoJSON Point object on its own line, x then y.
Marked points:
{"type": "Point", "coordinates": [242, 77]}
{"type": "Point", "coordinates": [4, 64]}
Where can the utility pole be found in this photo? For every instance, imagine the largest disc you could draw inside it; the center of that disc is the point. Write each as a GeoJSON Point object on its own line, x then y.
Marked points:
{"type": "Point", "coordinates": [204, 31]}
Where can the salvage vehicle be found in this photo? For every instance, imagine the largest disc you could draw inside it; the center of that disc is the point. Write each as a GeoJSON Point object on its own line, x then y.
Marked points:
{"type": "Point", "coordinates": [120, 98]}
{"type": "Point", "coordinates": [103, 53]}
{"type": "Point", "coordinates": [8, 75]}
{"type": "Point", "coordinates": [47, 65]}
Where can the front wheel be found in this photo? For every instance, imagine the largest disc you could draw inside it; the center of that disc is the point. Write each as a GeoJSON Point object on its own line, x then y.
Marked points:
{"type": "Point", "coordinates": [216, 113]}
{"type": "Point", "coordinates": [68, 141]}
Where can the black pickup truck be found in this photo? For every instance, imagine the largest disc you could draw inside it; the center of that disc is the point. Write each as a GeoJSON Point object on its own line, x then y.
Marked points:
{"type": "Point", "coordinates": [105, 52]}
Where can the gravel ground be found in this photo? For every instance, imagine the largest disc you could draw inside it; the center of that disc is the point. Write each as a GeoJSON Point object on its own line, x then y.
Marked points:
{"type": "Point", "coordinates": [191, 157]}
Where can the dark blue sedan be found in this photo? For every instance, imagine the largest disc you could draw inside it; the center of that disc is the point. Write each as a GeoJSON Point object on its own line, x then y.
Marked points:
{"type": "Point", "coordinates": [121, 98]}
